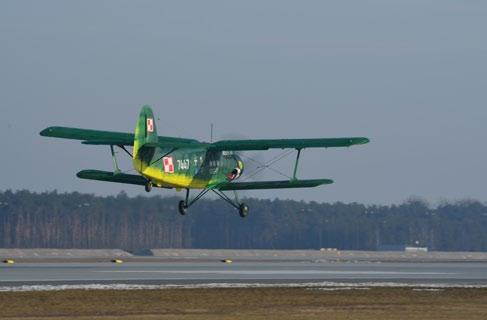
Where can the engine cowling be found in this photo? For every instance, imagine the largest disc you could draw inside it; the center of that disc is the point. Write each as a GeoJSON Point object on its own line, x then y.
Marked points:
{"type": "Point", "coordinates": [238, 170]}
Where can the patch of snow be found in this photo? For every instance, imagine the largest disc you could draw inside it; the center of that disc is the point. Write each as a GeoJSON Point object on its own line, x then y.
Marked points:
{"type": "Point", "coordinates": [326, 286]}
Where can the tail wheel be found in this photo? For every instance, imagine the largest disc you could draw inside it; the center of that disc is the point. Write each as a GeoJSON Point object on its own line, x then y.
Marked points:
{"type": "Point", "coordinates": [148, 186]}
{"type": "Point", "coordinates": [243, 210]}
{"type": "Point", "coordinates": [183, 207]}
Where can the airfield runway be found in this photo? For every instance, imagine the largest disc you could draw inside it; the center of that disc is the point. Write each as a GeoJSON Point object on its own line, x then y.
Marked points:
{"type": "Point", "coordinates": [252, 273]}
{"type": "Point", "coordinates": [151, 288]}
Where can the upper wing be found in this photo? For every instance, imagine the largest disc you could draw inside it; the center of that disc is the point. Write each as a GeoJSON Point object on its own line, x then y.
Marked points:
{"type": "Point", "coordinates": [239, 145]}
{"type": "Point", "coordinates": [273, 184]}
{"type": "Point", "coordinates": [87, 135]}
{"type": "Point", "coordinates": [99, 137]}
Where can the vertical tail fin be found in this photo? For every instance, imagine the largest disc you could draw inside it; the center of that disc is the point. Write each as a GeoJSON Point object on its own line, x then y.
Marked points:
{"type": "Point", "coordinates": [145, 130]}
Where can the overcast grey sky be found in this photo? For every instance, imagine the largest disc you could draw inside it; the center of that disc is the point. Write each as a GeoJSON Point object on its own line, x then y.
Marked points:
{"type": "Point", "coordinates": [411, 75]}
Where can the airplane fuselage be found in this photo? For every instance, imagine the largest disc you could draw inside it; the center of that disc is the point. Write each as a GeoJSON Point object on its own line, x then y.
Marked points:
{"type": "Point", "coordinates": [187, 168]}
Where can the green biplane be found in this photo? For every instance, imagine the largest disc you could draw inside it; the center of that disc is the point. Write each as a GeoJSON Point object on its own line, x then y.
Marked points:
{"type": "Point", "coordinates": [168, 162]}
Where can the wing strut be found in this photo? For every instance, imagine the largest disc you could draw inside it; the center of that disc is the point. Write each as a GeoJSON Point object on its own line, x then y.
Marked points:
{"type": "Point", "coordinates": [115, 162]}
{"type": "Point", "coordinates": [296, 165]}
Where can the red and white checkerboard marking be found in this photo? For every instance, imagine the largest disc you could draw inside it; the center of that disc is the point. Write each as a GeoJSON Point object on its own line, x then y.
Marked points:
{"type": "Point", "coordinates": [150, 125]}
{"type": "Point", "coordinates": [168, 165]}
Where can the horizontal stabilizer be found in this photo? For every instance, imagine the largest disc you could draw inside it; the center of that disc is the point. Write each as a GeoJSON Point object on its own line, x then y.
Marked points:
{"type": "Point", "coordinates": [274, 184]}
{"type": "Point", "coordinates": [112, 177]}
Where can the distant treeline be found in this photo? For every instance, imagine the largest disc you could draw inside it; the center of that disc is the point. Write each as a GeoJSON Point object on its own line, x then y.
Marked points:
{"type": "Point", "coordinates": [74, 220]}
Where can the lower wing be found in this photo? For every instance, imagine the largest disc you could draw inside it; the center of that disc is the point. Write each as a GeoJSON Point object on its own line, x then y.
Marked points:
{"type": "Point", "coordinates": [285, 184]}
{"type": "Point", "coordinates": [112, 177]}
{"type": "Point", "coordinates": [141, 181]}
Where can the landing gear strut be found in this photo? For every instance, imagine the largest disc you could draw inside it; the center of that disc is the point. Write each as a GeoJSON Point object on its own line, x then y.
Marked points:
{"type": "Point", "coordinates": [243, 209]}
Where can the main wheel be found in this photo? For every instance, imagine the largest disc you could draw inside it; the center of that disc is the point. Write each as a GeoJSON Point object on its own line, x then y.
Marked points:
{"type": "Point", "coordinates": [243, 210]}
{"type": "Point", "coordinates": [183, 207]}
{"type": "Point", "coordinates": [148, 186]}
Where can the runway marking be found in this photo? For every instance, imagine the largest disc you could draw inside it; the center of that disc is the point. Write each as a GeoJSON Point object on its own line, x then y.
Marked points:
{"type": "Point", "coordinates": [274, 272]}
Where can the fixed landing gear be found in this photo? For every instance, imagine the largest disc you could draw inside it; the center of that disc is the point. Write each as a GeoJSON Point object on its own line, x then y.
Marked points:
{"type": "Point", "coordinates": [148, 186]}
{"type": "Point", "coordinates": [243, 209]}
{"type": "Point", "coordinates": [183, 207]}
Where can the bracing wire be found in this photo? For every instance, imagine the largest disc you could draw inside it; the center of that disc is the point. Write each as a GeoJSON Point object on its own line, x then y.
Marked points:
{"type": "Point", "coordinates": [267, 165]}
